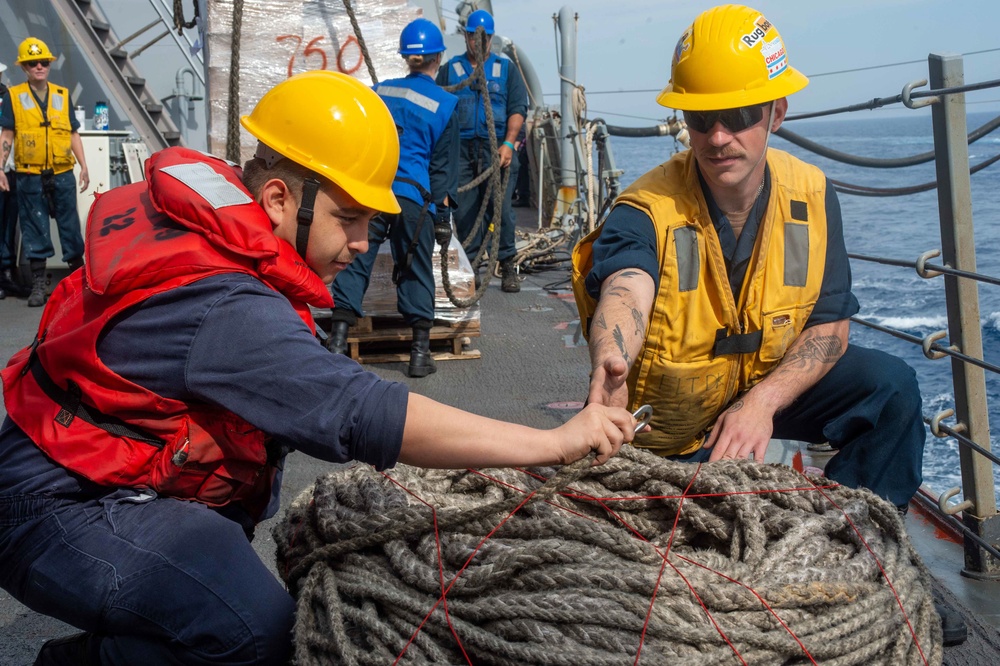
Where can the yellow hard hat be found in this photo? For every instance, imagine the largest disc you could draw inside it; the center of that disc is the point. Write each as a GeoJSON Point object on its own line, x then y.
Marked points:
{"type": "Point", "coordinates": [731, 56]}
{"type": "Point", "coordinates": [33, 49]}
{"type": "Point", "coordinates": [338, 127]}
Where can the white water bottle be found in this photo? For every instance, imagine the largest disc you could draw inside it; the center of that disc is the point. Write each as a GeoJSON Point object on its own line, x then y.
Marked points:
{"type": "Point", "coordinates": [81, 116]}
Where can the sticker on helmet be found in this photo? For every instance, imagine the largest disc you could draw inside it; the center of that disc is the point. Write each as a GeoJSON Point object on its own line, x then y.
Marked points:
{"type": "Point", "coordinates": [683, 44]}
{"type": "Point", "coordinates": [34, 50]}
{"type": "Point", "coordinates": [762, 25]}
{"type": "Point", "coordinates": [774, 57]}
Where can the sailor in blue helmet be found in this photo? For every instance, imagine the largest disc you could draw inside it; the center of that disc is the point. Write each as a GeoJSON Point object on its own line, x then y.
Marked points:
{"type": "Point", "coordinates": [509, 99]}
{"type": "Point", "coordinates": [425, 185]}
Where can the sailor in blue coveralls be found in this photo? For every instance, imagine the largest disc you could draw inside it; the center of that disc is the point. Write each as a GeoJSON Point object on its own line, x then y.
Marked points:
{"type": "Point", "coordinates": [509, 99]}
{"type": "Point", "coordinates": [425, 186]}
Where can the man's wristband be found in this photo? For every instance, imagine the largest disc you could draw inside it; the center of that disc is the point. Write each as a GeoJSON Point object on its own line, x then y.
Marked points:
{"type": "Point", "coordinates": [508, 143]}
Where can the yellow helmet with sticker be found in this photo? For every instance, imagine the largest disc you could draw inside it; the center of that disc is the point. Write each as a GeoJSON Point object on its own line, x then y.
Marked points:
{"type": "Point", "coordinates": [33, 49]}
{"type": "Point", "coordinates": [338, 127]}
{"type": "Point", "coordinates": [731, 56]}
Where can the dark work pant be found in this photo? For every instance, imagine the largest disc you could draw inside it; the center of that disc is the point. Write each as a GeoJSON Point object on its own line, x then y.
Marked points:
{"type": "Point", "coordinates": [415, 289]}
{"type": "Point", "coordinates": [8, 223]}
{"type": "Point", "coordinates": [162, 581]}
{"type": "Point", "coordinates": [34, 211]}
{"type": "Point", "coordinates": [475, 159]}
{"type": "Point", "coordinates": [522, 186]}
{"type": "Point", "coordinates": [869, 408]}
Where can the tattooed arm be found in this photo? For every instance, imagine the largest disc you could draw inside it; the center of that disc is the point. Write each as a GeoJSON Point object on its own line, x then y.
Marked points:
{"type": "Point", "coordinates": [618, 332]}
{"type": "Point", "coordinates": [747, 425]}
{"type": "Point", "coordinates": [6, 145]}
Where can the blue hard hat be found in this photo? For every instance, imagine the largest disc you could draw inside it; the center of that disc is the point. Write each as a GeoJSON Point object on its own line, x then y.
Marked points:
{"type": "Point", "coordinates": [480, 17]}
{"type": "Point", "coordinates": [420, 37]}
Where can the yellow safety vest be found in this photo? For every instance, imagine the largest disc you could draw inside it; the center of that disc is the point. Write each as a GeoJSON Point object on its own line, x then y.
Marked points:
{"type": "Point", "coordinates": [703, 347]}
{"type": "Point", "coordinates": [38, 146]}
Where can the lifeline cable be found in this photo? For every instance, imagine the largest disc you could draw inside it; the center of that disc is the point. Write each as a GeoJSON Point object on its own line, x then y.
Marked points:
{"type": "Point", "coordinates": [640, 560]}
{"type": "Point", "coordinates": [875, 162]}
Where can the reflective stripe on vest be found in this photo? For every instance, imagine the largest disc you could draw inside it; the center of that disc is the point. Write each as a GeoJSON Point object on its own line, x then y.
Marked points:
{"type": "Point", "coordinates": [421, 109]}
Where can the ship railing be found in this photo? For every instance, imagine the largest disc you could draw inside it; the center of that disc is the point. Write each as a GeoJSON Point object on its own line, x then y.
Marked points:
{"type": "Point", "coordinates": [976, 515]}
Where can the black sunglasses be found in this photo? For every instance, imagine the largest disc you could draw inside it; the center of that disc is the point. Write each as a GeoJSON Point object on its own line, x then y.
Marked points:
{"type": "Point", "coordinates": [735, 120]}
{"type": "Point", "coordinates": [34, 63]}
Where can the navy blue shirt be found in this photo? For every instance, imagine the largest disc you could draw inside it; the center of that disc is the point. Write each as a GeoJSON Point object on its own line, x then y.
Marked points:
{"type": "Point", "coordinates": [232, 341]}
{"type": "Point", "coordinates": [517, 91]}
{"type": "Point", "coordinates": [628, 240]}
{"type": "Point", "coordinates": [7, 112]}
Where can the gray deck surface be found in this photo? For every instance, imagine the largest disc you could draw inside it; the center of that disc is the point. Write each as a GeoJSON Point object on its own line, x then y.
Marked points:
{"type": "Point", "coordinates": [527, 364]}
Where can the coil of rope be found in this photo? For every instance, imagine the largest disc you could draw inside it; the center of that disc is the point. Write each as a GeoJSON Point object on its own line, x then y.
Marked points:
{"type": "Point", "coordinates": [640, 560]}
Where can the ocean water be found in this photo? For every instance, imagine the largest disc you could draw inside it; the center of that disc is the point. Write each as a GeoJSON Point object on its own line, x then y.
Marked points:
{"type": "Point", "coordinates": [899, 228]}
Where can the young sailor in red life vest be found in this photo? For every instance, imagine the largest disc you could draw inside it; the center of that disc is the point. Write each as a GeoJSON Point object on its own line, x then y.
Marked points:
{"type": "Point", "coordinates": [148, 421]}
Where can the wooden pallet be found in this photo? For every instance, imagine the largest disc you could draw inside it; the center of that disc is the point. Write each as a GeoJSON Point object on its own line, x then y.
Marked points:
{"type": "Point", "coordinates": [378, 340]}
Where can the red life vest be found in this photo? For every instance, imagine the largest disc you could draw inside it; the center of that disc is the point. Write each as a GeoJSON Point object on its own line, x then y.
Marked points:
{"type": "Point", "coordinates": [191, 219]}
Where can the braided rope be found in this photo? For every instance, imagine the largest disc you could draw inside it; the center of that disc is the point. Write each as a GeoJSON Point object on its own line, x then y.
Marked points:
{"type": "Point", "coordinates": [495, 189]}
{"type": "Point", "coordinates": [233, 112]}
{"type": "Point", "coordinates": [674, 563]}
{"type": "Point", "coordinates": [361, 41]}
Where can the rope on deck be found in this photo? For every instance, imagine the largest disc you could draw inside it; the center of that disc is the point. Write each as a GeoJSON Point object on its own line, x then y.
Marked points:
{"type": "Point", "coordinates": [727, 562]}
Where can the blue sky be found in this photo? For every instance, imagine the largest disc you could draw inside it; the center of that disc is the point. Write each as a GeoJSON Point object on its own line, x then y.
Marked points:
{"type": "Point", "coordinates": [626, 45]}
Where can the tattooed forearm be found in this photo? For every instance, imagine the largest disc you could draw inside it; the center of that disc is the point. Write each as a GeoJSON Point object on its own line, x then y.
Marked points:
{"type": "Point", "coordinates": [640, 322]}
{"type": "Point", "coordinates": [621, 317]}
{"type": "Point", "coordinates": [4, 152]}
{"type": "Point", "coordinates": [736, 406]}
{"type": "Point", "coordinates": [819, 350]}
{"type": "Point", "coordinates": [620, 341]}
{"type": "Point", "coordinates": [615, 287]}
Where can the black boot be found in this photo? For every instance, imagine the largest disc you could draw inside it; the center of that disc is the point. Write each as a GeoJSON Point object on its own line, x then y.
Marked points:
{"type": "Point", "coordinates": [37, 297]}
{"type": "Point", "coordinates": [953, 628]}
{"type": "Point", "coordinates": [508, 277]}
{"type": "Point", "coordinates": [75, 263]}
{"type": "Point", "coordinates": [11, 286]}
{"type": "Point", "coordinates": [76, 650]}
{"type": "Point", "coordinates": [421, 361]}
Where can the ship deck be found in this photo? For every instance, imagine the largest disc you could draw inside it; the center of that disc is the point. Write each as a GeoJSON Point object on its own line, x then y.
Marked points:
{"type": "Point", "coordinates": [532, 370]}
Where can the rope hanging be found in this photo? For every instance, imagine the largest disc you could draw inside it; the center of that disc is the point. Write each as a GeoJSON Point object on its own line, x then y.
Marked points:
{"type": "Point", "coordinates": [641, 560]}
{"type": "Point", "coordinates": [361, 41]}
{"type": "Point", "coordinates": [233, 112]}
{"type": "Point", "coordinates": [495, 189]}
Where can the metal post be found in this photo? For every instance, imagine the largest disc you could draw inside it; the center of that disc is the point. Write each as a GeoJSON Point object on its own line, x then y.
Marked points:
{"type": "Point", "coordinates": [959, 251]}
{"type": "Point", "coordinates": [568, 129]}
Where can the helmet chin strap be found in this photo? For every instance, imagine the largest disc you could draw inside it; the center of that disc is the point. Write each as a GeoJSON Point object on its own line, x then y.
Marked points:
{"type": "Point", "coordinates": [305, 215]}
{"type": "Point", "coordinates": [310, 187]}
